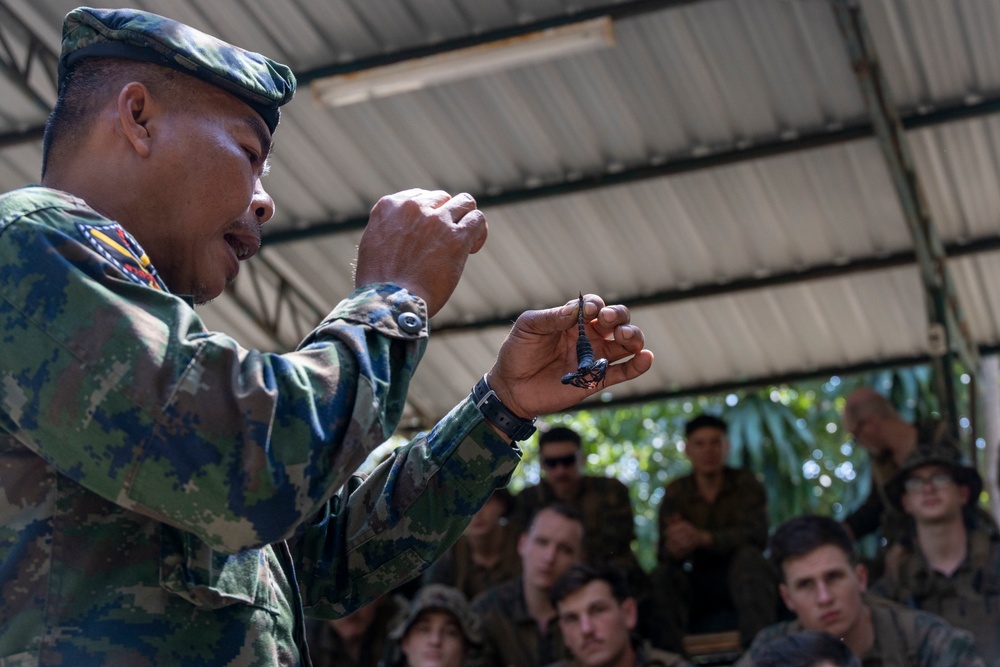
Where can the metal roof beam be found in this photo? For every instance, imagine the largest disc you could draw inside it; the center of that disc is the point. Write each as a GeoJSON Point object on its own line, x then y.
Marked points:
{"type": "Point", "coordinates": [618, 10]}
{"type": "Point", "coordinates": [730, 155]}
{"type": "Point", "coordinates": [778, 279]}
{"type": "Point", "coordinates": [944, 311]}
{"type": "Point", "coordinates": [273, 302]}
{"type": "Point", "coordinates": [22, 53]}
{"type": "Point", "coordinates": [19, 137]}
{"type": "Point", "coordinates": [839, 370]}
{"type": "Point", "coordinates": [269, 306]}
{"type": "Point", "coordinates": [678, 165]}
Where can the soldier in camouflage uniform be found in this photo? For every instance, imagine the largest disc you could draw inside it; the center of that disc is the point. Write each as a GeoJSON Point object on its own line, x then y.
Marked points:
{"type": "Point", "coordinates": [360, 639]}
{"type": "Point", "coordinates": [603, 501]}
{"type": "Point", "coordinates": [519, 620]}
{"type": "Point", "coordinates": [824, 586]}
{"type": "Point", "coordinates": [889, 439]}
{"type": "Point", "coordinates": [952, 566]}
{"type": "Point", "coordinates": [440, 629]}
{"type": "Point", "coordinates": [608, 519]}
{"type": "Point", "coordinates": [485, 555]}
{"type": "Point", "coordinates": [151, 471]}
{"type": "Point", "coordinates": [713, 530]}
{"type": "Point", "coordinates": [598, 617]}
{"type": "Point", "coordinates": [807, 648]}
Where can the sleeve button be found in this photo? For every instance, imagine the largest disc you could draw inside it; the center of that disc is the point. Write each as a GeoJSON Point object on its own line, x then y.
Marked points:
{"type": "Point", "coordinates": [410, 322]}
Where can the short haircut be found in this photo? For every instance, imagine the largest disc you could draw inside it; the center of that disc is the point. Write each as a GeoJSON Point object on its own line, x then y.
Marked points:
{"type": "Point", "coordinates": [581, 574]}
{"type": "Point", "coordinates": [564, 510]}
{"type": "Point", "coordinates": [559, 434]}
{"type": "Point", "coordinates": [804, 534]}
{"type": "Point", "coordinates": [703, 421]}
{"type": "Point", "coordinates": [90, 86]}
{"type": "Point", "coordinates": [807, 648]}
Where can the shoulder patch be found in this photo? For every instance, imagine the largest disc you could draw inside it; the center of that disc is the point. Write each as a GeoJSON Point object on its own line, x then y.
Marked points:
{"type": "Point", "coordinates": [117, 246]}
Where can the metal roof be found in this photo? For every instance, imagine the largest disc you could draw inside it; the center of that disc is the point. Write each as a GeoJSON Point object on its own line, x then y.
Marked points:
{"type": "Point", "coordinates": [717, 169]}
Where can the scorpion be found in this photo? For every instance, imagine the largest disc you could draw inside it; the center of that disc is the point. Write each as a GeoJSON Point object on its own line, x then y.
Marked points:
{"type": "Point", "coordinates": [590, 372]}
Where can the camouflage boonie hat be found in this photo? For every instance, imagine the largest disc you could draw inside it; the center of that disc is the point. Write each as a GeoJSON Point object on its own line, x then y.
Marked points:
{"type": "Point", "coordinates": [943, 454]}
{"type": "Point", "coordinates": [438, 597]}
{"type": "Point", "coordinates": [136, 35]}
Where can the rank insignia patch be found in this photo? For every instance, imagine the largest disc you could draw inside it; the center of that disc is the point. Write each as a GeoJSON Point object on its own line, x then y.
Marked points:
{"type": "Point", "coordinates": [118, 247]}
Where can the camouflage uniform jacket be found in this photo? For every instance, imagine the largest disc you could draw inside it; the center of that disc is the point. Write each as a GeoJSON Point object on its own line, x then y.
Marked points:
{"type": "Point", "coordinates": [737, 517]}
{"type": "Point", "coordinates": [877, 511]}
{"type": "Point", "coordinates": [903, 638]}
{"type": "Point", "coordinates": [456, 568]}
{"type": "Point", "coordinates": [609, 526]}
{"type": "Point", "coordinates": [510, 633]}
{"type": "Point", "coordinates": [969, 598]}
{"type": "Point", "coordinates": [645, 656]}
{"type": "Point", "coordinates": [151, 470]}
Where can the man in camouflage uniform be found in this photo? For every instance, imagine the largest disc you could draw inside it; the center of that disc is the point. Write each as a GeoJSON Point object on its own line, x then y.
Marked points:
{"type": "Point", "coordinates": [713, 529]}
{"type": "Point", "coordinates": [440, 629]}
{"type": "Point", "coordinates": [519, 620]}
{"type": "Point", "coordinates": [485, 555]}
{"type": "Point", "coordinates": [952, 566]}
{"type": "Point", "coordinates": [824, 586]}
{"type": "Point", "coordinates": [889, 439]}
{"type": "Point", "coordinates": [598, 617]}
{"type": "Point", "coordinates": [603, 502]}
{"type": "Point", "coordinates": [807, 648]}
{"type": "Point", "coordinates": [152, 470]}
{"type": "Point", "coordinates": [360, 639]}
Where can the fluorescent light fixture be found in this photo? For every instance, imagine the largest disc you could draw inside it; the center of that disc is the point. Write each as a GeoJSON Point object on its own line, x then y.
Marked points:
{"type": "Point", "coordinates": [409, 75]}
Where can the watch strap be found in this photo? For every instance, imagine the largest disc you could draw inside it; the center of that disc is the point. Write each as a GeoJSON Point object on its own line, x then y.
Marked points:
{"type": "Point", "coordinates": [488, 403]}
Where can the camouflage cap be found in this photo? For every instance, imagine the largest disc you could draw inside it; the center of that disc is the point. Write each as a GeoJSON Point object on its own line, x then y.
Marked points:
{"type": "Point", "coordinates": [136, 35]}
{"type": "Point", "coordinates": [945, 454]}
{"type": "Point", "coordinates": [438, 597]}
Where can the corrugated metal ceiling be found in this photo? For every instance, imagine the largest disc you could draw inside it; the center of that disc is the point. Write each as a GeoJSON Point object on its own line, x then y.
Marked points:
{"type": "Point", "coordinates": [715, 169]}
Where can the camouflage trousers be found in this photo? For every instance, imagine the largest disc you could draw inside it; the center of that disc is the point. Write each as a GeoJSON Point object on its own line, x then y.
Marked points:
{"type": "Point", "coordinates": [718, 593]}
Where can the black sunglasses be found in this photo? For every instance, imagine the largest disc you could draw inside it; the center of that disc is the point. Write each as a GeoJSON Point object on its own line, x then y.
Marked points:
{"type": "Point", "coordinates": [556, 461]}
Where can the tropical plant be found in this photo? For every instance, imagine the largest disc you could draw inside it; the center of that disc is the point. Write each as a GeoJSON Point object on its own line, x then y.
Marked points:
{"type": "Point", "coordinates": [789, 435]}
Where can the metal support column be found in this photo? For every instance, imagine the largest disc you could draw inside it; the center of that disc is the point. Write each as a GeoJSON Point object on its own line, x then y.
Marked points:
{"type": "Point", "coordinates": [271, 300]}
{"type": "Point", "coordinates": [948, 336]}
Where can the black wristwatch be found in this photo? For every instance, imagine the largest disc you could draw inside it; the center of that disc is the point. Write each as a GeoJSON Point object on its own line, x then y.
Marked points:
{"type": "Point", "coordinates": [499, 415]}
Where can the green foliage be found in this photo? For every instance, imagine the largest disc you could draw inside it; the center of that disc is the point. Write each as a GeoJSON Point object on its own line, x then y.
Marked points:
{"type": "Point", "coordinates": [909, 389]}
{"type": "Point", "coordinates": [789, 435]}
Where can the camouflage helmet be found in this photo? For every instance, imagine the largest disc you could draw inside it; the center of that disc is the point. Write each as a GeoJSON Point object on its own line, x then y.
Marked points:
{"type": "Point", "coordinates": [262, 83]}
{"type": "Point", "coordinates": [438, 597]}
{"type": "Point", "coordinates": [942, 453]}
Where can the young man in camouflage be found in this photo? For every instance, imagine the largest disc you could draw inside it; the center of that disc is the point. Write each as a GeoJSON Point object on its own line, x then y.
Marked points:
{"type": "Point", "coordinates": [874, 423]}
{"type": "Point", "coordinates": [951, 567]}
{"type": "Point", "coordinates": [485, 555]}
{"type": "Point", "coordinates": [712, 574]}
{"type": "Point", "coordinates": [825, 587]}
{"type": "Point", "coordinates": [152, 470]}
{"type": "Point", "coordinates": [808, 648]}
{"type": "Point", "coordinates": [440, 629]}
{"type": "Point", "coordinates": [598, 617]}
{"type": "Point", "coordinates": [519, 620]}
{"type": "Point", "coordinates": [603, 502]}
{"type": "Point", "coordinates": [360, 639]}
